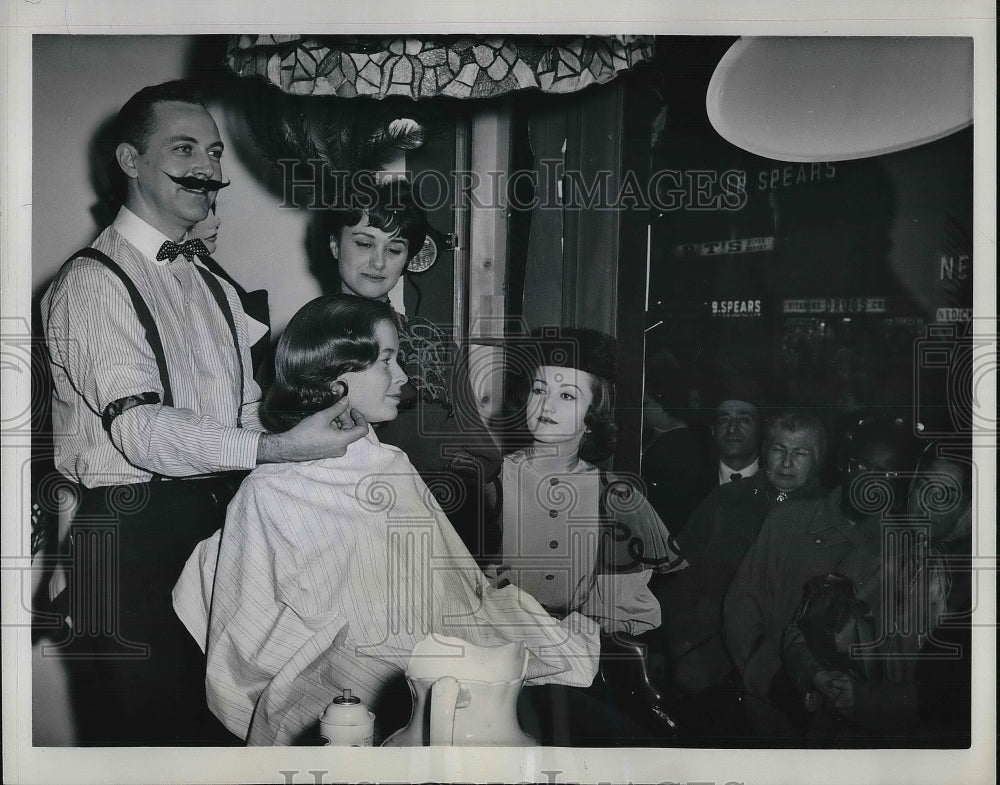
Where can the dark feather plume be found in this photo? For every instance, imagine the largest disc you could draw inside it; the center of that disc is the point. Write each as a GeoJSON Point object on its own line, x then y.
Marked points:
{"type": "Point", "coordinates": [346, 135]}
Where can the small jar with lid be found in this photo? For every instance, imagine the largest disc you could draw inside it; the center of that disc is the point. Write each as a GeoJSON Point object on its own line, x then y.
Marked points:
{"type": "Point", "coordinates": [347, 722]}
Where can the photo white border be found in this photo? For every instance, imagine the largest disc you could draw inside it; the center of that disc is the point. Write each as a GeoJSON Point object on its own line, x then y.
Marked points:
{"type": "Point", "coordinates": [26, 764]}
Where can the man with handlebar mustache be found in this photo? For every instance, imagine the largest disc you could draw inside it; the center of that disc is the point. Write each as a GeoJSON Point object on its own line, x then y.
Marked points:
{"type": "Point", "coordinates": [154, 412]}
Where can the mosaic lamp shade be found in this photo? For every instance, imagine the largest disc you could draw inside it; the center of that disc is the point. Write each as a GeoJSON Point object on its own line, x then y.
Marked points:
{"type": "Point", "coordinates": [452, 66]}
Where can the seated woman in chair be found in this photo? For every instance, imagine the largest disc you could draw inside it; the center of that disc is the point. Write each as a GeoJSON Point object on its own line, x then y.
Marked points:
{"type": "Point", "coordinates": [330, 571]}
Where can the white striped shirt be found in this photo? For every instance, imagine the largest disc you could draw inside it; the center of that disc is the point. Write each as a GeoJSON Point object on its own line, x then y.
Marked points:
{"type": "Point", "coordinates": [99, 354]}
{"type": "Point", "coordinates": [328, 573]}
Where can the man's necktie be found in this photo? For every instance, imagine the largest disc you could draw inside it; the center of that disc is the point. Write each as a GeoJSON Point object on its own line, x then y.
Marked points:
{"type": "Point", "coordinates": [735, 476]}
{"type": "Point", "coordinates": [191, 248]}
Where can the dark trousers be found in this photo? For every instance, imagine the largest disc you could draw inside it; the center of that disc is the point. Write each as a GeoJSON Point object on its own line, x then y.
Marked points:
{"type": "Point", "coordinates": [713, 717]}
{"type": "Point", "coordinates": [558, 716]}
{"type": "Point", "coordinates": [136, 675]}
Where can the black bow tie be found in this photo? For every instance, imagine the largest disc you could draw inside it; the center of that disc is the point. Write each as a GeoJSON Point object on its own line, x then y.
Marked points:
{"type": "Point", "coordinates": [171, 250]}
{"type": "Point", "coordinates": [735, 476]}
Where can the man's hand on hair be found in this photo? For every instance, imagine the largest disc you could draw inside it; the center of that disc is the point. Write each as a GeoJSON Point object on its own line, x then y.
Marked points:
{"type": "Point", "coordinates": [325, 434]}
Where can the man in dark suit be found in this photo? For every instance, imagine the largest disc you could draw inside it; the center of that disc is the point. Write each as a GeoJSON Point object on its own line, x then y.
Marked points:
{"type": "Point", "coordinates": [736, 431]}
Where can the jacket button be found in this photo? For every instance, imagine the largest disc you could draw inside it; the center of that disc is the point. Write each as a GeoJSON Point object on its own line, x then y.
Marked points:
{"type": "Point", "coordinates": [553, 513]}
{"type": "Point", "coordinates": [554, 543]}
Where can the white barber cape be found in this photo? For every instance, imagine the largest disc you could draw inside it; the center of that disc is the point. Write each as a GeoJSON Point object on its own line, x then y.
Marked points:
{"type": "Point", "coordinates": [328, 574]}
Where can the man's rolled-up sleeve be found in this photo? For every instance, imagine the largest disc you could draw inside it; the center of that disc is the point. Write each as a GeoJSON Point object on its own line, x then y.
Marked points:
{"type": "Point", "coordinates": [179, 442]}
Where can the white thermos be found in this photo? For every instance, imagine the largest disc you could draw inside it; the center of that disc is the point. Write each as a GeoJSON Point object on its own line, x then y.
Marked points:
{"type": "Point", "coordinates": [347, 723]}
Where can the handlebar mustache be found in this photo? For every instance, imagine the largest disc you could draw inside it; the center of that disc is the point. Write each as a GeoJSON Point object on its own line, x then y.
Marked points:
{"type": "Point", "coordinates": [199, 183]}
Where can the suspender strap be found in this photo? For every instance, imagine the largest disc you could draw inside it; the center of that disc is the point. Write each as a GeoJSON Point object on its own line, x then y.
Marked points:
{"type": "Point", "coordinates": [141, 311]}
{"type": "Point", "coordinates": [145, 317]}
{"type": "Point", "coordinates": [220, 297]}
{"type": "Point", "coordinates": [217, 268]}
{"type": "Point", "coordinates": [152, 337]}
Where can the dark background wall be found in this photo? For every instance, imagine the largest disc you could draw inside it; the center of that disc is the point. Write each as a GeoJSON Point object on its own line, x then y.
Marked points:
{"type": "Point", "coordinates": [861, 256]}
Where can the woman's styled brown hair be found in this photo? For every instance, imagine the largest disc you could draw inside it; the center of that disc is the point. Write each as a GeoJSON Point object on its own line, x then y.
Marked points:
{"type": "Point", "coordinates": [389, 206]}
{"type": "Point", "coordinates": [327, 337]}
